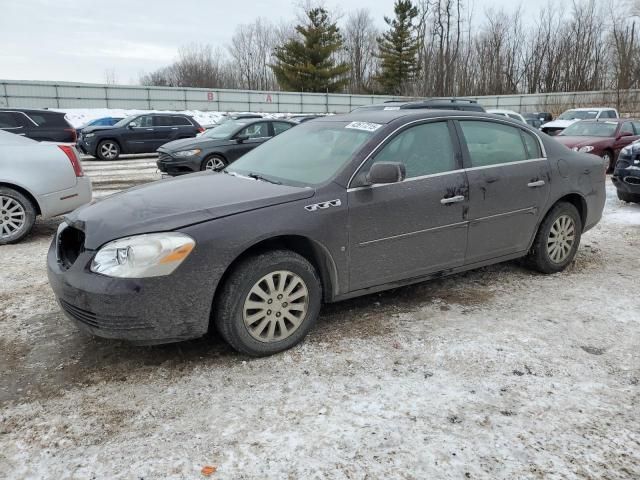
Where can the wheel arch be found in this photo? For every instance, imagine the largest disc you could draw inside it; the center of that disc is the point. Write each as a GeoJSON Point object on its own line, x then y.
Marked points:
{"type": "Point", "coordinates": [577, 200]}
{"type": "Point", "coordinates": [312, 251]}
{"type": "Point", "coordinates": [24, 192]}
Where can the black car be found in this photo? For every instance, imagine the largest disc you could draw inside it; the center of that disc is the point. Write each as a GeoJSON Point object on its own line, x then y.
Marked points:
{"type": "Point", "coordinates": [626, 174]}
{"type": "Point", "coordinates": [218, 147]}
{"type": "Point", "coordinates": [335, 208]}
{"type": "Point", "coordinates": [41, 125]}
{"type": "Point", "coordinates": [142, 133]}
{"type": "Point", "coordinates": [440, 103]}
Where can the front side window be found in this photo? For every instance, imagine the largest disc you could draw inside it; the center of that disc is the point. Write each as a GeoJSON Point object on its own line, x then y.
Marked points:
{"type": "Point", "coordinates": [424, 149]}
{"type": "Point", "coordinates": [627, 128]}
{"type": "Point", "coordinates": [145, 121]}
{"type": "Point", "coordinates": [256, 130]}
{"type": "Point", "coordinates": [279, 127]}
{"type": "Point", "coordinates": [492, 143]}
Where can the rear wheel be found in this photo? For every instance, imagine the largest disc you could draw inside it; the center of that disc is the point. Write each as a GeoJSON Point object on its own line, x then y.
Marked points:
{"type": "Point", "coordinates": [629, 197]}
{"type": "Point", "coordinates": [557, 239]}
{"type": "Point", "coordinates": [17, 216]}
{"type": "Point", "coordinates": [268, 303]}
{"type": "Point", "coordinates": [108, 150]}
{"type": "Point", "coordinates": [214, 163]}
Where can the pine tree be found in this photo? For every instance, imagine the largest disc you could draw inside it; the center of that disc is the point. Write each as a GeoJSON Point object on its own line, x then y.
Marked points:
{"type": "Point", "coordinates": [307, 63]}
{"type": "Point", "coordinates": [398, 49]}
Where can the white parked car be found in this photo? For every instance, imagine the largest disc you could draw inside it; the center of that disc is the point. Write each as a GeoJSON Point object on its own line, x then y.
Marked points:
{"type": "Point", "coordinates": [509, 114]}
{"type": "Point", "coordinates": [37, 178]}
{"type": "Point", "coordinates": [575, 115]}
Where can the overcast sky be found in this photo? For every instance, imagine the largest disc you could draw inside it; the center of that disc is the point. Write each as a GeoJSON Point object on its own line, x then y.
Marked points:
{"type": "Point", "coordinates": [76, 40]}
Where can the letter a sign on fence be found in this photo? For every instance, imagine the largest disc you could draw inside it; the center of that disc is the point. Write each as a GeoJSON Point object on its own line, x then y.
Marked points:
{"type": "Point", "coordinates": [269, 99]}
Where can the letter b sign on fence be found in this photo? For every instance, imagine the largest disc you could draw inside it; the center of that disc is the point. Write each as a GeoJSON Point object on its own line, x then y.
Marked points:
{"type": "Point", "coordinates": [210, 97]}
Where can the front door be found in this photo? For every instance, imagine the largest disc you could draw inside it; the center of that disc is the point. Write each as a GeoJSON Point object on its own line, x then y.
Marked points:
{"type": "Point", "coordinates": [255, 134]}
{"type": "Point", "coordinates": [141, 137]}
{"type": "Point", "coordinates": [415, 227]}
{"type": "Point", "coordinates": [508, 188]}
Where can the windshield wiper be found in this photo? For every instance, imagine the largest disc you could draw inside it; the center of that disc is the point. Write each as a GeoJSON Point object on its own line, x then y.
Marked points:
{"type": "Point", "coordinates": [257, 176]}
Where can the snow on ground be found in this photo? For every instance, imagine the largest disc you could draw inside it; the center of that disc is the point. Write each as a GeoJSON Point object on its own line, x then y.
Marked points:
{"type": "Point", "coordinates": [80, 116]}
{"type": "Point", "coordinates": [499, 373]}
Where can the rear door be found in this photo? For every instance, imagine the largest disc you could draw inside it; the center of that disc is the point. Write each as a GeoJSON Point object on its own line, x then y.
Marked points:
{"type": "Point", "coordinates": [415, 227]}
{"type": "Point", "coordinates": [256, 133]}
{"type": "Point", "coordinates": [163, 130]}
{"type": "Point", "coordinates": [508, 178]}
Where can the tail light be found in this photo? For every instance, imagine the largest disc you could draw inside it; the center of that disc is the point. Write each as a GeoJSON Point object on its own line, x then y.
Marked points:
{"type": "Point", "coordinates": [74, 134]}
{"type": "Point", "coordinates": [200, 129]}
{"type": "Point", "coordinates": [70, 152]}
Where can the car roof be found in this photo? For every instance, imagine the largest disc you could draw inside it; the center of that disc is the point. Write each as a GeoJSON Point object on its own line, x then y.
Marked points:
{"type": "Point", "coordinates": [388, 116]}
{"type": "Point", "coordinates": [7, 138]}
{"type": "Point", "coordinates": [586, 109]}
{"type": "Point", "coordinates": [500, 110]}
{"type": "Point", "coordinates": [607, 120]}
{"type": "Point", "coordinates": [30, 110]}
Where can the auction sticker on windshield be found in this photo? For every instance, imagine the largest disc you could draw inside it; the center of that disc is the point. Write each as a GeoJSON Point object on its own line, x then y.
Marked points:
{"type": "Point", "coordinates": [366, 126]}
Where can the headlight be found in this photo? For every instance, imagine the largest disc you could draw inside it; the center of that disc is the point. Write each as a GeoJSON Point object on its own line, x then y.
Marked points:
{"type": "Point", "coordinates": [88, 135]}
{"type": "Point", "coordinates": [141, 256]}
{"type": "Point", "coordinates": [575, 149]}
{"type": "Point", "coordinates": [586, 149]}
{"type": "Point", "coordinates": [187, 153]}
{"type": "Point", "coordinates": [632, 149]}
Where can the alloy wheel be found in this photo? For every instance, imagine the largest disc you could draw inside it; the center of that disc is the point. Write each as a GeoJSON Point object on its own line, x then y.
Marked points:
{"type": "Point", "coordinates": [216, 164]}
{"type": "Point", "coordinates": [12, 216]}
{"type": "Point", "coordinates": [607, 161]}
{"type": "Point", "coordinates": [109, 150]}
{"type": "Point", "coordinates": [276, 306]}
{"type": "Point", "coordinates": [562, 237]}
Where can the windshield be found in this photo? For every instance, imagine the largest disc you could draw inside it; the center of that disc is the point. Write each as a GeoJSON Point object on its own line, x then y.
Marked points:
{"type": "Point", "coordinates": [591, 129]}
{"type": "Point", "coordinates": [309, 154]}
{"type": "Point", "coordinates": [125, 121]}
{"type": "Point", "coordinates": [225, 129]}
{"type": "Point", "coordinates": [578, 115]}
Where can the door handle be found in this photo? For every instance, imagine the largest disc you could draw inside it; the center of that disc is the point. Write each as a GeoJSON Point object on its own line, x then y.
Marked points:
{"type": "Point", "coordinates": [174, 128]}
{"type": "Point", "coordinates": [539, 183]}
{"type": "Point", "coordinates": [456, 199]}
{"type": "Point", "coordinates": [149, 129]}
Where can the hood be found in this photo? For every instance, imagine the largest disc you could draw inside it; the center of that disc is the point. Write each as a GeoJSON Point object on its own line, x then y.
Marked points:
{"type": "Point", "coordinates": [97, 128]}
{"type": "Point", "coordinates": [174, 203]}
{"type": "Point", "coordinates": [578, 142]}
{"type": "Point", "coordinates": [190, 143]}
{"type": "Point", "coordinates": [559, 123]}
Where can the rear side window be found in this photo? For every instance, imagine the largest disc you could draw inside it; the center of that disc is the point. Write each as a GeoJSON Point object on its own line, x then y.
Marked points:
{"type": "Point", "coordinates": [532, 144]}
{"type": "Point", "coordinates": [492, 143]}
{"type": "Point", "coordinates": [608, 114]}
{"type": "Point", "coordinates": [49, 119]}
{"type": "Point", "coordinates": [162, 121]}
{"type": "Point", "coordinates": [7, 120]}
{"type": "Point", "coordinates": [181, 121]}
{"type": "Point", "coordinates": [424, 149]}
{"type": "Point", "coordinates": [279, 127]}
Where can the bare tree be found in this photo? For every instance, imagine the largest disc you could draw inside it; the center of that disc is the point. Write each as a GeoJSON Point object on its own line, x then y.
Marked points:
{"type": "Point", "coordinates": [110, 77]}
{"type": "Point", "coordinates": [360, 50]}
{"type": "Point", "coordinates": [252, 51]}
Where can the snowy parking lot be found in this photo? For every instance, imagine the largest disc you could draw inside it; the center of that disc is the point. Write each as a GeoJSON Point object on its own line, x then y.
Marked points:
{"type": "Point", "coordinates": [495, 373]}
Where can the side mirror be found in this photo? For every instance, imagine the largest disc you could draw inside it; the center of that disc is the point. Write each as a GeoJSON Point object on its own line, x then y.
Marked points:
{"type": "Point", "coordinates": [132, 125]}
{"type": "Point", "coordinates": [386, 172]}
{"type": "Point", "coordinates": [242, 138]}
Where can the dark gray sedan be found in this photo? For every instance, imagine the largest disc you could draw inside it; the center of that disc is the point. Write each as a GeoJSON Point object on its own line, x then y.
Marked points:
{"type": "Point", "coordinates": [335, 208]}
{"type": "Point", "coordinates": [218, 147]}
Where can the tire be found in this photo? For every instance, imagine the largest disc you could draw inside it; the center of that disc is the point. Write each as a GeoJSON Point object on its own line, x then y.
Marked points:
{"type": "Point", "coordinates": [108, 150]}
{"type": "Point", "coordinates": [214, 163]}
{"type": "Point", "coordinates": [544, 255]}
{"type": "Point", "coordinates": [17, 216]}
{"type": "Point", "coordinates": [628, 197]}
{"type": "Point", "coordinates": [610, 163]}
{"type": "Point", "coordinates": [236, 297]}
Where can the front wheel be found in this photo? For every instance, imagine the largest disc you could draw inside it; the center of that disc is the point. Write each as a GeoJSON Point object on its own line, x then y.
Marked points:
{"type": "Point", "coordinates": [214, 162]}
{"type": "Point", "coordinates": [557, 239]}
{"type": "Point", "coordinates": [628, 197]}
{"type": "Point", "coordinates": [108, 150]}
{"type": "Point", "coordinates": [607, 158]}
{"type": "Point", "coordinates": [269, 303]}
{"type": "Point", "coordinates": [17, 216]}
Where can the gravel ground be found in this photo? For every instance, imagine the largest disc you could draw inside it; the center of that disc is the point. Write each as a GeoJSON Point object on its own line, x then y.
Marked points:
{"type": "Point", "coordinates": [496, 373]}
